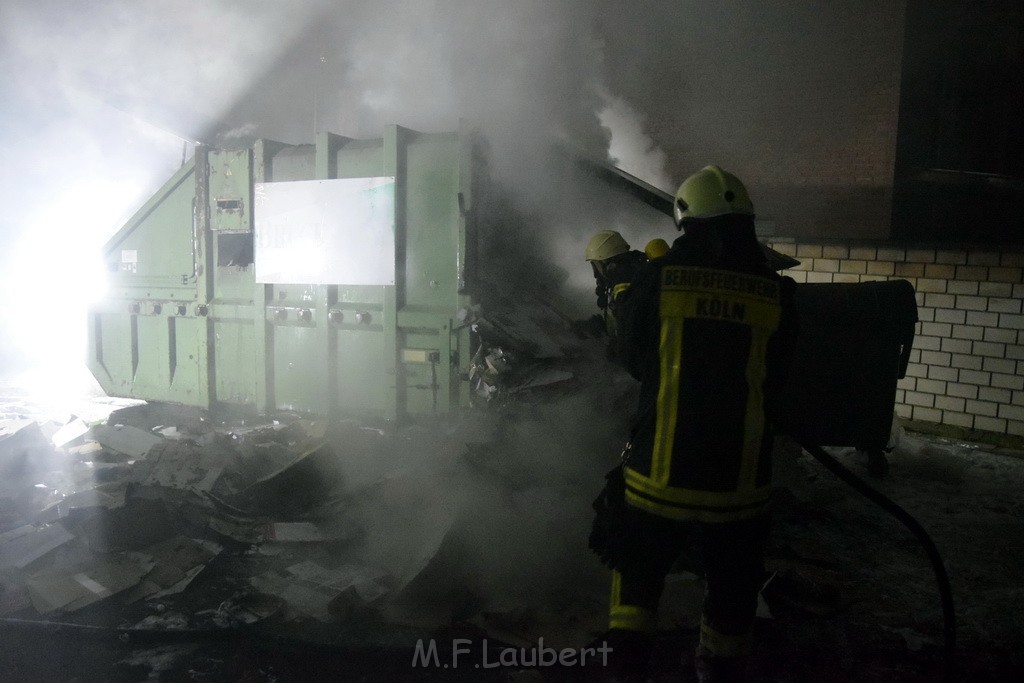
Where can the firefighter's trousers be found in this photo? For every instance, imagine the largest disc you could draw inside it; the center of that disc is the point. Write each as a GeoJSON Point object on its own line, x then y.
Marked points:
{"type": "Point", "coordinates": [732, 556]}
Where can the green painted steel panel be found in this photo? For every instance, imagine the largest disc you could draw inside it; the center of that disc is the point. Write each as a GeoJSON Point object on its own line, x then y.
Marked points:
{"type": "Point", "coordinates": [358, 352]}
{"type": "Point", "coordinates": [231, 190]}
{"type": "Point", "coordinates": [359, 159]}
{"type": "Point", "coordinates": [110, 352]}
{"type": "Point", "coordinates": [155, 248]}
{"type": "Point", "coordinates": [432, 222]}
{"type": "Point", "coordinates": [292, 163]}
{"type": "Point", "coordinates": [233, 283]}
{"type": "Point", "coordinates": [186, 322]}
{"type": "Point", "coordinates": [234, 361]}
{"type": "Point", "coordinates": [298, 364]}
{"type": "Point", "coordinates": [188, 337]}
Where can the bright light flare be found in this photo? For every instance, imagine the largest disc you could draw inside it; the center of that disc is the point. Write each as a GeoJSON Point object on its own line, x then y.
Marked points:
{"type": "Point", "coordinates": [55, 272]}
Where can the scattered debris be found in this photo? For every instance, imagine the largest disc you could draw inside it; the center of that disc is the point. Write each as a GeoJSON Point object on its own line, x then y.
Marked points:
{"type": "Point", "coordinates": [298, 532]}
{"type": "Point", "coordinates": [22, 546]}
{"type": "Point", "coordinates": [168, 621]}
{"type": "Point", "coordinates": [177, 561]}
{"type": "Point", "coordinates": [71, 588]}
{"type": "Point", "coordinates": [408, 517]}
{"type": "Point", "coordinates": [325, 594]}
{"type": "Point", "coordinates": [542, 379]}
{"type": "Point", "coordinates": [105, 496]}
{"type": "Point", "coordinates": [23, 449]}
{"type": "Point", "coordinates": [73, 430]}
{"type": "Point", "coordinates": [179, 465]}
{"type": "Point", "coordinates": [14, 596]}
{"type": "Point", "coordinates": [125, 439]}
{"type": "Point", "coordinates": [243, 609]}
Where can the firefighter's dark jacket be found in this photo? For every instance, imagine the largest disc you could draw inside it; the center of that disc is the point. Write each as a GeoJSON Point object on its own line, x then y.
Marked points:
{"type": "Point", "coordinates": [620, 271]}
{"type": "Point", "coordinates": [708, 330]}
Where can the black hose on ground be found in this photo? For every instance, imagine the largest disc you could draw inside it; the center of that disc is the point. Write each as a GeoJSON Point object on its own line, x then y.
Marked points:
{"type": "Point", "coordinates": [872, 494]}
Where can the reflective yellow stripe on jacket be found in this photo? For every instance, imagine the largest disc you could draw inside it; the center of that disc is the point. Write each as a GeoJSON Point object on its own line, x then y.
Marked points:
{"type": "Point", "coordinates": [744, 301]}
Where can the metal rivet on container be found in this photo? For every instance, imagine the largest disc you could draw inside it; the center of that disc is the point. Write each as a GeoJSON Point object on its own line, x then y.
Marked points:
{"type": "Point", "coordinates": [363, 317]}
{"type": "Point", "coordinates": [181, 309]}
{"type": "Point", "coordinates": [155, 309]}
{"type": "Point", "coordinates": [134, 308]}
{"type": "Point", "coordinates": [281, 314]}
{"type": "Point", "coordinates": [305, 315]}
{"type": "Point", "coordinates": [202, 309]}
{"type": "Point", "coordinates": [336, 316]}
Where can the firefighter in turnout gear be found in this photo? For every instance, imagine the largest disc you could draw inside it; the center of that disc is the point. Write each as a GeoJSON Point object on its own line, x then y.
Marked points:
{"type": "Point", "coordinates": [707, 329]}
{"type": "Point", "coordinates": [615, 266]}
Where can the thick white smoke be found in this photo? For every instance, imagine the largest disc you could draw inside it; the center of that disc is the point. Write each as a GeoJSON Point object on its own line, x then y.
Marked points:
{"type": "Point", "coordinates": [630, 147]}
{"type": "Point", "coordinates": [103, 103]}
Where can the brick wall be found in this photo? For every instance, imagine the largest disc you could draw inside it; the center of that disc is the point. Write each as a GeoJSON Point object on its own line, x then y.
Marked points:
{"type": "Point", "coordinates": [967, 364]}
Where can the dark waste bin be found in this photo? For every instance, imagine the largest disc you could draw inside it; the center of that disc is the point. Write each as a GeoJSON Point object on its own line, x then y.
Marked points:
{"type": "Point", "coordinates": [854, 344]}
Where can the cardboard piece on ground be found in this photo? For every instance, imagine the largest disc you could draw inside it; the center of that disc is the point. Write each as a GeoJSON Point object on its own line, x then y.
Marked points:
{"type": "Point", "coordinates": [95, 498]}
{"type": "Point", "coordinates": [314, 429]}
{"type": "Point", "coordinates": [314, 590]}
{"type": "Point", "coordinates": [249, 531]}
{"type": "Point", "coordinates": [172, 432]}
{"type": "Point", "coordinates": [408, 518]}
{"type": "Point", "coordinates": [27, 544]}
{"type": "Point", "coordinates": [296, 487]}
{"type": "Point", "coordinates": [169, 621]}
{"type": "Point", "coordinates": [181, 466]}
{"type": "Point", "coordinates": [179, 586]}
{"type": "Point", "coordinates": [21, 442]}
{"type": "Point", "coordinates": [298, 532]}
{"type": "Point", "coordinates": [243, 609]}
{"type": "Point", "coordinates": [267, 479]}
{"type": "Point", "coordinates": [73, 588]}
{"type": "Point", "coordinates": [177, 561]}
{"type": "Point", "coordinates": [14, 596]}
{"type": "Point", "coordinates": [243, 531]}
{"type": "Point", "coordinates": [72, 430]}
{"type": "Point", "coordinates": [303, 599]}
{"type": "Point", "coordinates": [124, 439]}
{"type": "Point", "coordinates": [369, 584]}
{"type": "Point", "coordinates": [86, 451]}
{"type": "Point", "coordinates": [13, 427]}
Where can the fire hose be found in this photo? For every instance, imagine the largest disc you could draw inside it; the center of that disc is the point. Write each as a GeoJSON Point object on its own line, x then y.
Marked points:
{"type": "Point", "coordinates": [872, 494]}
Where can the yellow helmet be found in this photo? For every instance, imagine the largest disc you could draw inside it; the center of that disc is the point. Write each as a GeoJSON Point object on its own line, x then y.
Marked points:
{"type": "Point", "coordinates": [711, 192]}
{"type": "Point", "coordinates": [606, 244]}
{"type": "Point", "coordinates": [656, 248]}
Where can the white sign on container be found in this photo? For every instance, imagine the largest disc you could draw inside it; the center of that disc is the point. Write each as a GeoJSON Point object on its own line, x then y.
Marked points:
{"type": "Point", "coordinates": [319, 232]}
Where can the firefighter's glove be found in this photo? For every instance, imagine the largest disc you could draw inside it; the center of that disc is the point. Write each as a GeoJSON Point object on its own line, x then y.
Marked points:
{"type": "Point", "coordinates": [609, 534]}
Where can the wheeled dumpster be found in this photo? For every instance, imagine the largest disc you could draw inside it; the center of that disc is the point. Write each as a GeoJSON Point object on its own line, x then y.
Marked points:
{"type": "Point", "coordinates": [854, 344]}
{"type": "Point", "coordinates": [324, 278]}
